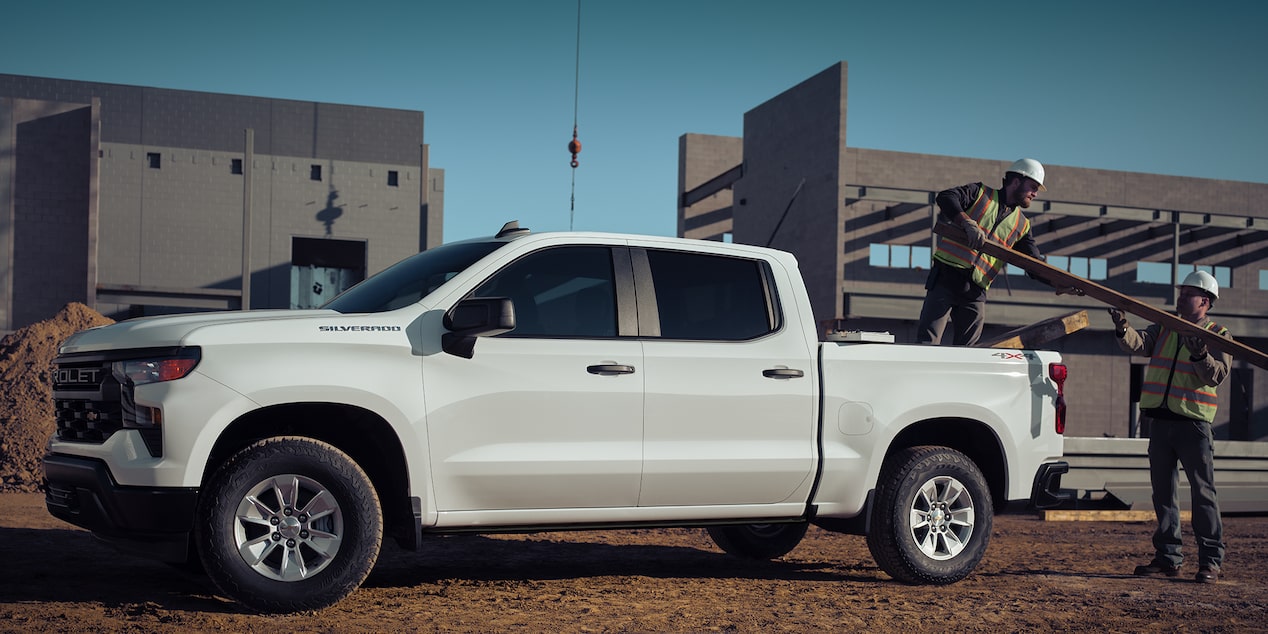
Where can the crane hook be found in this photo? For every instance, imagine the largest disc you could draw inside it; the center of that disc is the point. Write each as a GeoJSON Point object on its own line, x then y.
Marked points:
{"type": "Point", "coordinates": [574, 146]}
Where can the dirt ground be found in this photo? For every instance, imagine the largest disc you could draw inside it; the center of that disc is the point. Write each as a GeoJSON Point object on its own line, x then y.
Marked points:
{"type": "Point", "coordinates": [1037, 575]}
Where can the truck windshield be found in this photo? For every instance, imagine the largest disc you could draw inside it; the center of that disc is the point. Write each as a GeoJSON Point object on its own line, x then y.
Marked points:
{"type": "Point", "coordinates": [411, 279]}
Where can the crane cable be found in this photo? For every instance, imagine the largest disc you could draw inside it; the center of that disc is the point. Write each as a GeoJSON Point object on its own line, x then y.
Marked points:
{"type": "Point", "coordinates": [575, 146]}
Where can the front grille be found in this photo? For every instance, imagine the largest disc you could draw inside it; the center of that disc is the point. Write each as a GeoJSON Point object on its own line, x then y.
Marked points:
{"type": "Point", "coordinates": [92, 404]}
{"type": "Point", "coordinates": [88, 401]}
{"type": "Point", "coordinates": [83, 420]}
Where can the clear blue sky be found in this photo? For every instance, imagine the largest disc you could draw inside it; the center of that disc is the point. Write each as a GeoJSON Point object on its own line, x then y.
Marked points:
{"type": "Point", "coordinates": [1178, 88]}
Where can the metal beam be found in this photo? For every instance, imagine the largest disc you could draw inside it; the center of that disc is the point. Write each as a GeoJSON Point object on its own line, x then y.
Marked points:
{"type": "Point", "coordinates": [1074, 209]}
{"type": "Point", "coordinates": [856, 193]}
{"type": "Point", "coordinates": [213, 298]}
{"type": "Point", "coordinates": [712, 186]}
{"type": "Point", "coordinates": [1133, 213]}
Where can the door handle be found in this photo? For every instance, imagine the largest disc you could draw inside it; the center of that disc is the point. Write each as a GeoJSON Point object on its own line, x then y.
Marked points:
{"type": "Point", "coordinates": [610, 368]}
{"type": "Point", "coordinates": [783, 373]}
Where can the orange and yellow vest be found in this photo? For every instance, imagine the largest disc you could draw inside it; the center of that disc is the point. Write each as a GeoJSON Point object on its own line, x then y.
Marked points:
{"type": "Point", "coordinates": [1171, 382]}
{"type": "Point", "coordinates": [1006, 230]}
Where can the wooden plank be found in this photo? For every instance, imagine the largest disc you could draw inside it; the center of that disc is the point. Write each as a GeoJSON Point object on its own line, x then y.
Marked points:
{"type": "Point", "coordinates": [1061, 278]}
{"type": "Point", "coordinates": [1039, 333]}
{"type": "Point", "coordinates": [1075, 515]}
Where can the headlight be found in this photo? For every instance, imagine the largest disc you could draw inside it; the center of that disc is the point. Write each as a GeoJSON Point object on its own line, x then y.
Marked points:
{"type": "Point", "coordinates": [142, 371]}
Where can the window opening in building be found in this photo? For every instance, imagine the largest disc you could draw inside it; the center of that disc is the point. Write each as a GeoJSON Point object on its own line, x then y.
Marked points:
{"type": "Point", "coordinates": [900, 256]}
{"type": "Point", "coordinates": [1263, 280]}
{"type": "Point", "coordinates": [1160, 273]}
{"type": "Point", "coordinates": [235, 166]}
{"type": "Point", "coordinates": [315, 173]}
{"type": "Point", "coordinates": [393, 178]}
{"type": "Point", "coordinates": [1087, 268]}
{"type": "Point", "coordinates": [155, 159]}
{"type": "Point", "coordinates": [323, 268]}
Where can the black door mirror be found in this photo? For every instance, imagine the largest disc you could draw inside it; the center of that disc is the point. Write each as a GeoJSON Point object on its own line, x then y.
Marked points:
{"type": "Point", "coordinates": [475, 317]}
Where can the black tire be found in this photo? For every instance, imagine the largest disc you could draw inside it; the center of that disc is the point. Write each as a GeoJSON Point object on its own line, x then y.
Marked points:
{"type": "Point", "coordinates": [932, 516]}
{"type": "Point", "coordinates": [289, 524]}
{"type": "Point", "coordinates": [759, 541]}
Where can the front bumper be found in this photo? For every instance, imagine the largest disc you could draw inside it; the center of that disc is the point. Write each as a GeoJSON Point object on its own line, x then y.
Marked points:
{"type": "Point", "coordinates": [1046, 491]}
{"type": "Point", "coordinates": [151, 522]}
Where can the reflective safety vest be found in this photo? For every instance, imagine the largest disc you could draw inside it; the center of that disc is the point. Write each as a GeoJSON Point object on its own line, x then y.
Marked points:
{"type": "Point", "coordinates": [1007, 230]}
{"type": "Point", "coordinates": [1171, 382]}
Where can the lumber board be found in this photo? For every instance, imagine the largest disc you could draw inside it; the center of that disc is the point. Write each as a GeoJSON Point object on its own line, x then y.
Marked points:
{"type": "Point", "coordinates": [1074, 515]}
{"type": "Point", "coordinates": [1039, 333]}
{"type": "Point", "coordinates": [1062, 278]}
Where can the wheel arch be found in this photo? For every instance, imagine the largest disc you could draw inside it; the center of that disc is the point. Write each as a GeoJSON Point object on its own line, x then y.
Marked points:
{"type": "Point", "coordinates": [972, 438]}
{"type": "Point", "coordinates": [365, 436]}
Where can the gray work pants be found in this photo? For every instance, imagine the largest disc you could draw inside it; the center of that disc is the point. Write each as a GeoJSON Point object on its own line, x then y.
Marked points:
{"type": "Point", "coordinates": [1190, 444]}
{"type": "Point", "coordinates": [951, 295]}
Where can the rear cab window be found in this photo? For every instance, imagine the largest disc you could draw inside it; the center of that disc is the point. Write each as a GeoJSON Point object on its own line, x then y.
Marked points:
{"type": "Point", "coordinates": [711, 297]}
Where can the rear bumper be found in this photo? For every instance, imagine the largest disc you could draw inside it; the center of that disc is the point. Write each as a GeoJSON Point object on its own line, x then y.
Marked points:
{"type": "Point", "coordinates": [1046, 493]}
{"type": "Point", "coordinates": [148, 521]}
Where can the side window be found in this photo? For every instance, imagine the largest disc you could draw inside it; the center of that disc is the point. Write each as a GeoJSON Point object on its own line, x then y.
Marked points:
{"type": "Point", "coordinates": [561, 292]}
{"type": "Point", "coordinates": [710, 297]}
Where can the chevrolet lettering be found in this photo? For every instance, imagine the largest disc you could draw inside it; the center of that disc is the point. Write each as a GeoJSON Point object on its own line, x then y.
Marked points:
{"type": "Point", "coordinates": [77, 376]}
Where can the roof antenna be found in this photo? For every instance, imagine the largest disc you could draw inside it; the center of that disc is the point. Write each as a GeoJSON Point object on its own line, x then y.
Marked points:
{"type": "Point", "coordinates": [574, 146]}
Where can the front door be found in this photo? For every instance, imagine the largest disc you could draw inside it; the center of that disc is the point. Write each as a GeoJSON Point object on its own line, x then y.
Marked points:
{"type": "Point", "coordinates": [549, 415]}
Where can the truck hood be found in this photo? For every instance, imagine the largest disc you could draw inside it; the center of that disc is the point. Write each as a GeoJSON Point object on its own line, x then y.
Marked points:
{"type": "Point", "coordinates": [170, 330]}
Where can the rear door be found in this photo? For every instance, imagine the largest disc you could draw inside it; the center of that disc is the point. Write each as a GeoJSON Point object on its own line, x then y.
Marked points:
{"type": "Point", "coordinates": [729, 409]}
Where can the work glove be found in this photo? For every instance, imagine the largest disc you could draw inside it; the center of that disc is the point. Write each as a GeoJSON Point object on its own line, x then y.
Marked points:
{"type": "Point", "coordinates": [974, 236]}
{"type": "Point", "coordinates": [1120, 322]}
{"type": "Point", "coordinates": [1196, 346]}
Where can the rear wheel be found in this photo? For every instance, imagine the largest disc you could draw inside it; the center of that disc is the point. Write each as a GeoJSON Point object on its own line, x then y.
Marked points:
{"type": "Point", "coordinates": [933, 516]}
{"type": "Point", "coordinates": [289, 524]}
{"type": "Point", "coordinates": [759, 541]}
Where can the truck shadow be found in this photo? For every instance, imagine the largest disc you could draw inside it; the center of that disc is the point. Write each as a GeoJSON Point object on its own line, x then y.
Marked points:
{"type": "Point", "coordinates": [478, 557]}
{"type": "Point", "coordinates": [62, 565]}
{"type": "Point", "coordinates": [57, 565]}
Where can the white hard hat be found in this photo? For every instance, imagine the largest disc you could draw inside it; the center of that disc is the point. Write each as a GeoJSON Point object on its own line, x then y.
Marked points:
{"type": "Point", "coordinates": [1204, 281]}
{"type": "Point", "coordinates": [1029, 168]}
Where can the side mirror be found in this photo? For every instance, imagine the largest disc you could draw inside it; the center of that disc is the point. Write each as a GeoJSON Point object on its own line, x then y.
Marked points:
{"type": "Point", "coordinates": [475, 317]}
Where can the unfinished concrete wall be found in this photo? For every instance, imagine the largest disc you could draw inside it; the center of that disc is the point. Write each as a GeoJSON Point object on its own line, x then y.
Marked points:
{"type": "Point", "coordinates": [46, 167]}
{"type": "Point", "coordinates": [702, 157]}
{"type": "Point", "coordinates": [797, 140]}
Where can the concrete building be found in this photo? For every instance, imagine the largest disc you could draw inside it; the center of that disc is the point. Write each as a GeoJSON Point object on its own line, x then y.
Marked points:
{"type": "Point", "coordinates": [860, 224]}
{"type": "Point", "coordinates": [137, 200]}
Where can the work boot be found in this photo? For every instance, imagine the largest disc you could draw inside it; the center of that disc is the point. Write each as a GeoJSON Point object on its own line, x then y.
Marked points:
{"type": "Point", "coordinates": [1208, 574]}
{"type": "Point", "coordinates": [1157, 568]}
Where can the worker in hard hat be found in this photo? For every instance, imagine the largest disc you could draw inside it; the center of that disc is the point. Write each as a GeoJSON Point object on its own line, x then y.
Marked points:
{"type": "Point", "coordinates": [1177, 405]}
{"type": "Point", "coordinates": [961, 274]}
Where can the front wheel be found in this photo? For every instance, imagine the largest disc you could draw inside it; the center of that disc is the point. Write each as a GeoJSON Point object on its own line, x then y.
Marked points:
{"type": "Point", "coordinates": [289, 524]}
{"type": "Point", "coordinates": [933, 516]}
{"type": "Point", "coordinates": [759, 541]}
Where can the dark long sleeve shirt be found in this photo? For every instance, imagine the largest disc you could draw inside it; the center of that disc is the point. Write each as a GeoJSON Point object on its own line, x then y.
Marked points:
{"type": "Point", "coordinates": [957, 200]}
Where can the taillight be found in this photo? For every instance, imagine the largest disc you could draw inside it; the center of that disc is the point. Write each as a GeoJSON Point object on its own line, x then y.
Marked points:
{"type": "Point", "coordinates": [1058, 373]}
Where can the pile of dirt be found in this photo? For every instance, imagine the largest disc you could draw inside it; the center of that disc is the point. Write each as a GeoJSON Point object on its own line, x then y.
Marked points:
{"type": "Point", "coordinates": [26, 393]}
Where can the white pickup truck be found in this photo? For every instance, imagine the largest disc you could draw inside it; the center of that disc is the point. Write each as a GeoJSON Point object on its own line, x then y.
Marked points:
{"type": "Point", "coordinates": [540, 382]}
